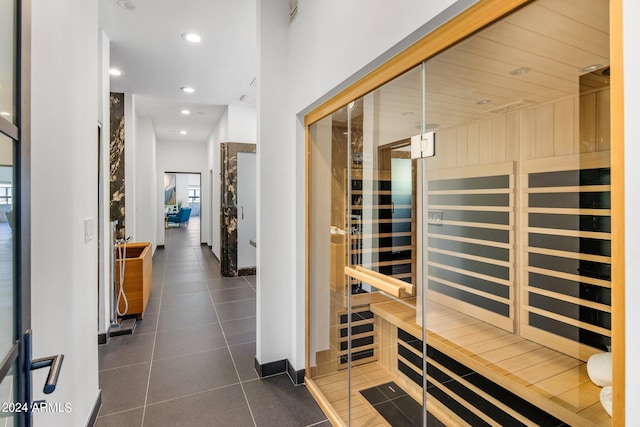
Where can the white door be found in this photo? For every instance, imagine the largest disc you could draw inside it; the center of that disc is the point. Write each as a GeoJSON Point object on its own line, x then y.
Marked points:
{"type": "Point", "coordinates": [246, 209]}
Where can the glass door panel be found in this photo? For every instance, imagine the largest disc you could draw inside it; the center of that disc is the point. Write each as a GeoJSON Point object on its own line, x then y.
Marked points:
{"type": "Point", "coordinates": [516, 219]}
{"type": "Point", "coordinates": [381, 254]}
{"type": "Point", "coordinates": [7, 60]}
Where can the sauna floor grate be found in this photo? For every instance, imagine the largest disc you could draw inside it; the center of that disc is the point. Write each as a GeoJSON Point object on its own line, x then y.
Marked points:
{"type": "Point", "coordinates": [396, 406]}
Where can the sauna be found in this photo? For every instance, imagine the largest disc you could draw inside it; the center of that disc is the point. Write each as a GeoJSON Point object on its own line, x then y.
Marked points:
{"type": "Point", "coordinates": [459, 228]}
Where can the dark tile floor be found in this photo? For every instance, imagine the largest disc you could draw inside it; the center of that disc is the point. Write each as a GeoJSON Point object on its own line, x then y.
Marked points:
{"type": "Point", "coordinates": [190, 361]}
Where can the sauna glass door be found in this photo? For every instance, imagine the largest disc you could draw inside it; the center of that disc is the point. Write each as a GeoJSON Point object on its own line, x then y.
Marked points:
{"type": "Point", "coordinates": [381, 255]}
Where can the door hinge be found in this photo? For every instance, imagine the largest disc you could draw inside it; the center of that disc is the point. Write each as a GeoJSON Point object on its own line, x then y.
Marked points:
{"type": "Point", "coordinates": [423, 145]}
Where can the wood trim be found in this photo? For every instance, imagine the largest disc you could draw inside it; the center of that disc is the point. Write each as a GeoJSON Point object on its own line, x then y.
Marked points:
{"type": "Point", "coordinates": [325, 405]}
{"type": "Point", "coordinates": [307, 274]}
{"type": "Point", "coordinates": [474, 18]}
{"type": "Point", "coordinates": [617, 214]}
{"type": "Point", "coordinates": [383, 282]}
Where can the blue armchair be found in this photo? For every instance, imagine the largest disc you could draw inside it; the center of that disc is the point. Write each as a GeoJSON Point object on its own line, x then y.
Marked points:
{"type": "Point", "coordinates": [181, 217]}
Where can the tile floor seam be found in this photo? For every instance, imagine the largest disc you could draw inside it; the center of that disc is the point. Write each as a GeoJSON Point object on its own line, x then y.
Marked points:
{"type": "Point", "coordinates": [119, 412]}
{"type": "Point", "coordinates": [155, 339]}
{"type": "Point", "coordinates": [121, 367]}
{"type": "Point", "coordinates": [188, 327]}
{"type": "Point", "coordinates": [193, 394]}
{"type": "Point", "coordinates": [189, 354]}
{"type": "Point", "coordinates": [231, 302]}
{"type": "Point", "coordinates": [224, 335]}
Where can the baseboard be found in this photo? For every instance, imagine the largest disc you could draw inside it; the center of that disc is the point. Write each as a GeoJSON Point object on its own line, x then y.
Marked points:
{"type": "Point", "coordinates": [297, 377]}
{"type": "Point", "coordinates": [159, 247]}
{"type": "Point", "coordinates": [91, 422]}
{"type": "Point", "coordinates": [103, 338]}
{"type": "Point", "coordinates": [271, 368]}
{"type": "Point", "coordinates": [247, 271]}
{"type": "Point", "coordinates": [280, 367]}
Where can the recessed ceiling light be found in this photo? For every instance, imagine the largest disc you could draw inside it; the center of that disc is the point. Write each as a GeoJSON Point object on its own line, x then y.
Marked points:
{"type": "Point", "coordinates": [407, 113]}
{"type": "Point", "coordinates": [192, 37]}
{"type": "Point", "coordinates": [187, 89]}
{"type": "Point", "coordinates": [185, 112]}
{"type": "Point", "coordinates": [484, 101]}
{"type": "Point", "coordinates": [183, 132]}
{"type": "Point", "coordinates": [520, 71]}
{"type": "Point", "coordinates": [115, 72]}
{"type": "Point", "coordinates": [590, 68]}
{"type": "Point", "coordinates": [126, 4]}
{"type": "Point", "coordinates": [4, 113]}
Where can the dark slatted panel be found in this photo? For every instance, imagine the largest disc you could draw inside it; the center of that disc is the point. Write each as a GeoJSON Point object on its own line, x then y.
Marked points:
{"type": "Point", "coordinates": [469, 242]}
{"type": "Point", "coordinates": [568, 257]}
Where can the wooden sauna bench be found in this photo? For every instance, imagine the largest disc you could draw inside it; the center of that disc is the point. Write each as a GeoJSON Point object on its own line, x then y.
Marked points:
{"type": "Point", "coordinates": [550, 380]}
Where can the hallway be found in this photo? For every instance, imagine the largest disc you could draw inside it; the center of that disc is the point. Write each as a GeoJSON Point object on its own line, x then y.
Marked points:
{"type": "Point", "coordinates": [190, 361]}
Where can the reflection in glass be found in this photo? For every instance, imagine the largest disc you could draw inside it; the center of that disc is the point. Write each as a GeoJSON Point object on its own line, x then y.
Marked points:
{"type": "Point", "coordinates": [7, 60]}
{"type": "Point", "coordinates": [479, 279]}
{"type": "Point", "coordinates": [7, 248]}
{"type": "Point", "coordinates": [8, 416]}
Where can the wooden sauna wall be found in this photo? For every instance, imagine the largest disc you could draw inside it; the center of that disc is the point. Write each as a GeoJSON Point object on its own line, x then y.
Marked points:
{"type": "Point", "coordinates": [567, 127]}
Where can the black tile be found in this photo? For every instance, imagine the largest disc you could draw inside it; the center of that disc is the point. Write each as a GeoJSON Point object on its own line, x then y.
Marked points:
{"type": "Point", "coordinates": [374, 395]}
{"type": "Point", "coordinates": [186, 301]}
{"type": "Point", "coordinates": [121, 419]}
{"type": "Point", "coordinates": [235, 294]}
{"type": "Point", "coordinates": [148, 324]}
{"type": "Point", "coordinates": [123, 388]}
{"type": "Point", "coordinates": [180, 319]}
{"type": "Point", "coordinates": [182, 287]}
{"type": "Point", "coordinates": [221, 407]}
{"type": "Point", "coordinates": [240, 331]}
{"type": "Point", "coordinates": [125, 350]}
{"type": "Point", "coordinates": [236, 309]}
{"type": "Point", "coordinates": [244, 356]}
{"type": "Point", "coordinates": [410, 408]}
{"type": "Point", "coordinates": [391, 390]}
{"type": "Point", "coordinates": [178, 342]}
{"type": "Point", "coordinates": [192, 373]}
{"type": "Point", "coordinates": [220, 283]}
{"type": "Point", "coordinates": [393, 415]}
{"type": "Point", "coordinates": [275, 401]}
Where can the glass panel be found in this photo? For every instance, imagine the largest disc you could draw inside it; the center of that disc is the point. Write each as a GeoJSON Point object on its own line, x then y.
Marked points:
{"type": "Point", "coordinates": [7, 248]}
{"type": "Point", "coordinates": [7, 59]}
{"type": "Point", "coordinates": [10, 408]}
{"type": "Point", "coordinates": [327, 257]}
{"type": "Point", "coordinates": [516, 219]}
{"type": "Point", "coordinates": [381, 255]}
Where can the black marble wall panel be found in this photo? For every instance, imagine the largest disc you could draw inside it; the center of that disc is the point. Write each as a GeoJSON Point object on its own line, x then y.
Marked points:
{"type": "Point", "coordinates": [229, 207]}
{"type": "Point", "coordinates": [116, 163]}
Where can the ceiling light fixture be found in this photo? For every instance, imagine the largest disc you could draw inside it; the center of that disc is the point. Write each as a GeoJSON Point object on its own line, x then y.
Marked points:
{"type": "Point", "coordinates": [192, 37]}
{"type": "Point", "coordinates": [590, 68]}
{"type": "Point", "coordinates": [126, 4]}
{"type": "Point", "coordinates": [520, 71]}
{"type": "Point", "coordinates": [115, 72]}
{"type": "Point", "coordinates": [187, 89]}
{"type": "Point", "coordinates": [185, 112]}
{"type": "Point", "coordinates": [483, 101]}
{"type": "Point", "coordinates": [183, 132]}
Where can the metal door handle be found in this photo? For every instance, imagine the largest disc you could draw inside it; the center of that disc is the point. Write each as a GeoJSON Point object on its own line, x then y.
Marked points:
{"type": "Point", "coordinates": [242, 209]}
{"type": "Point", "coordinates": [55, 364]}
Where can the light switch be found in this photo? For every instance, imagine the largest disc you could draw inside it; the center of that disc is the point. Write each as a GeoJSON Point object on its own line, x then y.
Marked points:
{"type": "Point", "coordinates": [89, 229]}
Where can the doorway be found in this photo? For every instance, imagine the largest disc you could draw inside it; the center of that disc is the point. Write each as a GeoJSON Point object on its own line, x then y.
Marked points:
{"type": "Point", "coordinates": [182, 204]}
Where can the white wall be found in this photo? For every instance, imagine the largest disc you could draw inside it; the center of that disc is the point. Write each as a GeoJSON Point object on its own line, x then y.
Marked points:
{"type": "Point", "coordinates": [275, 172]}
{"type": "Point", "coordinates": [182, 189]}
{"type": "Point", "coordinates": [104, 315]}
{"type": "Point", "coordinates": [145, 172]}
{"type": "Point", "coordinates": [237, 124]}
{"type": "Point", "coordinates": [631, 9]}
{"type": "Point", "coordinates": [130, 166]}
{"type": "Point", "coordinates": [64, 268]}
{"type": "Point", "coordinates": [242, 124]}
{"type": "Point", "coordinates": [299, 67]}
{"type": "Point", "coordinates": [186, 157]}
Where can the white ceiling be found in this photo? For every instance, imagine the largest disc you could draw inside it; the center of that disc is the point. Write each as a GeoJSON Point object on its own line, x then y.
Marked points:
{"type": "Point", "coordinates": [147, 45]}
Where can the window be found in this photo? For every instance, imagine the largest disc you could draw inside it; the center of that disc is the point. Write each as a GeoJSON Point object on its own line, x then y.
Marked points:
{"type": "Point", "coordinates": [5, 193]}
{"type": "Point", "coordinates": [194, 194]}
